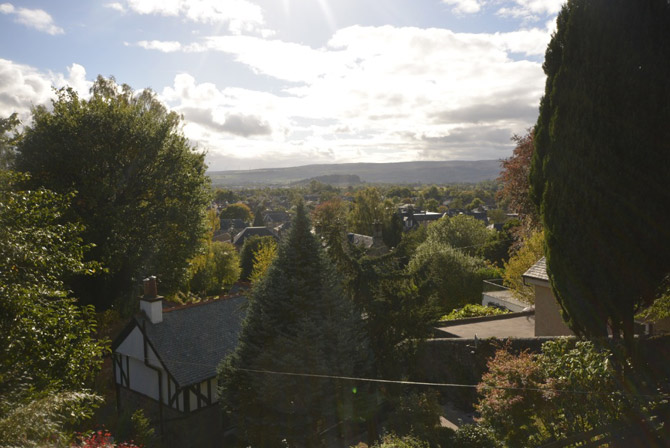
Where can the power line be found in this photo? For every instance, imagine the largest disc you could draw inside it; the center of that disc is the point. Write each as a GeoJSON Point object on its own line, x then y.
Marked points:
{"type": "Point", "coordinates": [419, 383]}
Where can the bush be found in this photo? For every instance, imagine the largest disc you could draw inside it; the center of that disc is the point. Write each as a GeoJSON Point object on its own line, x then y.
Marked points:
{"type": "Point", "coordinates": [473, 310]}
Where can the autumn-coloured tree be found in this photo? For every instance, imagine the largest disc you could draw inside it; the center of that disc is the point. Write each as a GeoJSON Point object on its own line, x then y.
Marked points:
{"type": "Point", "coordinates": [515, 190]}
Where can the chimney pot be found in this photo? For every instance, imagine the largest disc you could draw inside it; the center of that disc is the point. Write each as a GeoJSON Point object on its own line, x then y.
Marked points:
{"type": "Point", "coordinates": [150, 287]}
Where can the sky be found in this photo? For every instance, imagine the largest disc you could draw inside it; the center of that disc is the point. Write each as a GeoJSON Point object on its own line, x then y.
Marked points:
{"type": "Point", "coordinates": [275, 83]}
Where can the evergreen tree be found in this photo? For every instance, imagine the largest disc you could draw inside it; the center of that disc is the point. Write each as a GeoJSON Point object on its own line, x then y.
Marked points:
{"type": "Point", "coordinates": [600, 169]}
{"type": "Point", "coordinates": [298, 321]}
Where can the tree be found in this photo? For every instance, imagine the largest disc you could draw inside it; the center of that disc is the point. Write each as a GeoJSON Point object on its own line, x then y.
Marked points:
{"type": "Point", "coordinates": [263, 258]}
{"type": "Point", "coordinates": [8, 140]}
{"type": "Point", "coordinates": [515, 192]}
{"type": "Point", "coordinates": [450, 277]}
{"type": "Point", "coordinates": [47, 343]}
{"type": "Point", "coordinates": [461, 232]}
{"type": "Point", "coordinates": [141, 188]}
{"type": "Point", "coordinates": [251, 245]}
{"type": "Point", "coordinates": [525, 257]}
{"type": "Point", "coordinates": [531, 400]}
{"type": "Point", "coordinates": [600, 167]}
{"type": "Point", "coordinates": [330, 220]}
{"type": "Point", "coordinates": [258, 218]}
{"type": "Point", "coordinates": [238, 210]}
{"type": "Point", "coordinates": [369, 208]}
{"type": "Point", "coordinates": [298, 322]}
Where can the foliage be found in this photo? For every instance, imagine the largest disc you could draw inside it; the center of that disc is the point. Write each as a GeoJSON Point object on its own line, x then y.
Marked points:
{"type": "Point", "coordinates": [515, 191]}
{"type": "Point", "coordinates": [529, 400]}
{"type": "Point", "coordinates": [251, 245]}
{"type": "Point", "coordinates": [600, 167]}
{"type": "Point", "coordinates": [473, 310]}
{"type": "Point", "coordinates": [450, 278]}
{"type": "Point", "coordinates": [461, 232]}
{"type": "Point", "coordinates": [330, 220]}
{"type": "Point", "coordinates": [497, 247]}
{"type": "Point", "coordinates": [368, 208]}
{"type": "Point", "coordinates": [297, 322]}
{"type": "Point", "coordinates": [222, 195]}
{"type": "Point", "coordinates": [394, 441]}
{"type": "Point", "coordinates": [258, 218]}
{"type": "Point", "coordinates": [141, 189]}
{"type": "Point", "coordinates": [102, 439]}
{"type": "Point", "coordinates": [239, 210]}
{"type": "Point", "coordinates": [144, 433]}
{"type": "Point", "coordinates": [531, 251]}
{"type": "Point", "coordinates": [475, 436]}
{"type": "Point", "coordinates": [263, 258]}
{"type": "Point", "coordinates": [47, 343]}
{"type": "Point", "coordinates": [660, 308]}
{"type": "Point", "coordinates": [31, 423]}
{"type": "Point", "coordinates": [214, 270]}
{"type": "Point", "coordinates": [8, 140]}
{"type": "Point", "coordinates": [416, 414]}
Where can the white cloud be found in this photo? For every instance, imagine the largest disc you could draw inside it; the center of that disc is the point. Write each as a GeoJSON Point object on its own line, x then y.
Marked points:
{"type": "Point", "coordinates": [23, 87]}
{"type": "Point", "coordinates": [465, 6]}
{"type": "Point", "coordinates": [164, 46]}
{"type": "Point", "coordinates": [116, 6]}
{"type": "Point", "coordinates": [531, 9]}
{"type": "Point", "coordinates": [32, 18]}
{"type": "Point", "coordinates": [373, 93]}
{"type": "Point", "coordinates": [239, 15]}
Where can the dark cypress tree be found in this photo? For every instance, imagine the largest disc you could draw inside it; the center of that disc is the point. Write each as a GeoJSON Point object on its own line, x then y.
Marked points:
{"type": "Point", "coordinates": [298, 321]}
{"type": "Point", "coordinates": [602, 160]}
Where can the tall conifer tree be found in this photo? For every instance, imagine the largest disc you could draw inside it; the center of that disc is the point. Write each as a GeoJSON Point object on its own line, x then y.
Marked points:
{"type": "Point", "coordinates": [600, 170]}
{"type": "Point", "coordinates": [298, 321]}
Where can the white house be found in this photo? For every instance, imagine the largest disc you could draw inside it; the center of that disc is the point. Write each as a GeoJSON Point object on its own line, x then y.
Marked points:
{"type": "Point", "coordinates": [166, 359]}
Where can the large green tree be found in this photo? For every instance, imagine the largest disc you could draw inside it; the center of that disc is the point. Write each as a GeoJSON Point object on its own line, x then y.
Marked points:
{"type": "Point", "coordinates": [602, 157]}
{"type": "Point", "coordinates": [47, 343]}
{"type": "Point", "coordinates": [141, 188]}
{"type": "Point", "coordinates": [298, 322]}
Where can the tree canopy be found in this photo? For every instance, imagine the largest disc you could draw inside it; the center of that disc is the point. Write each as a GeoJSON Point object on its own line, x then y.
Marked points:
{"type": "Point", "coordinates": [141, 188]}
{"type": "Point", "coordinates": [47, 345]}
{"type": "Point", "coordinates": [602, 151]}
{"type": "Point", "coordinates": [297, 322]}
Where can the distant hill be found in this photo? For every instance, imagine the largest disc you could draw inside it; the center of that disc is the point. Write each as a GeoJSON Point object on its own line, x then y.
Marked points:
{"type": "Point", "coordinates": [389, 173]}
{"type": "Point", "coordinates": [337, 180]}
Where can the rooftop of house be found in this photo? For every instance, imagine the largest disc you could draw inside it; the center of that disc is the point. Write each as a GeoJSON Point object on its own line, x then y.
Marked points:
{"type": "Point", "coordinates": [359, 240]}
{"type": "Point", "coordinates": [276, 216]}
{"type": "Point", "coordinates": [252, 231]}
{"type": "Point", "coordinates": [512, 325]}
{"type": "Point", "coordinates": [193, 339]}
{"type": "Point", "coordinates": [538, 271]}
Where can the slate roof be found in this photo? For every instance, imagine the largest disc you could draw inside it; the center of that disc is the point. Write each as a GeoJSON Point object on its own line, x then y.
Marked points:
{"type": "Point", "coordinates": [252, 231]}
{"type": "Point", "coordinates": [364, 241]}
{"type": "Point", "coordinates": [538, 271]}
{"type": "Point", "coordinates": [276, 216]}
{"type": "Point", "coordinates": [192, 340]}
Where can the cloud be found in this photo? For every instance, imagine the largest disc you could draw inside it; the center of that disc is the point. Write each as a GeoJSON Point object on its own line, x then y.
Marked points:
{"type": "Point", "coordinates": [370, 94]}
{"type": "Point", "coordinates": [531, 9]}
{"type": "Point", "coordinates": [32, 18]}
{"type": "Point", "coordinates": [23, 87]}
{"type": "Point", "coordinates": [245, 125]}
{"type": "Point", "coordinates": [164, 46]}
{"type": "Point", "coordinates": [239, 15]}
{"type": "Point", "coordinates": [465, 6]}
{"type": "Point", "coordinates": [116, 6]}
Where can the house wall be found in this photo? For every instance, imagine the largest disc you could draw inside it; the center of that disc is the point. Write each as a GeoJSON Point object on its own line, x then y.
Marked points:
{"type": "Point", "coordinates": [130, 371]}
{"type": "Point", "coordinates": [548, 319]}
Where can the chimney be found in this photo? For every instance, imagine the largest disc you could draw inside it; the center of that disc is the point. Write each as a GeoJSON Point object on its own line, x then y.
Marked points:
{"type": "Point", "coordinates": [151, 303]}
